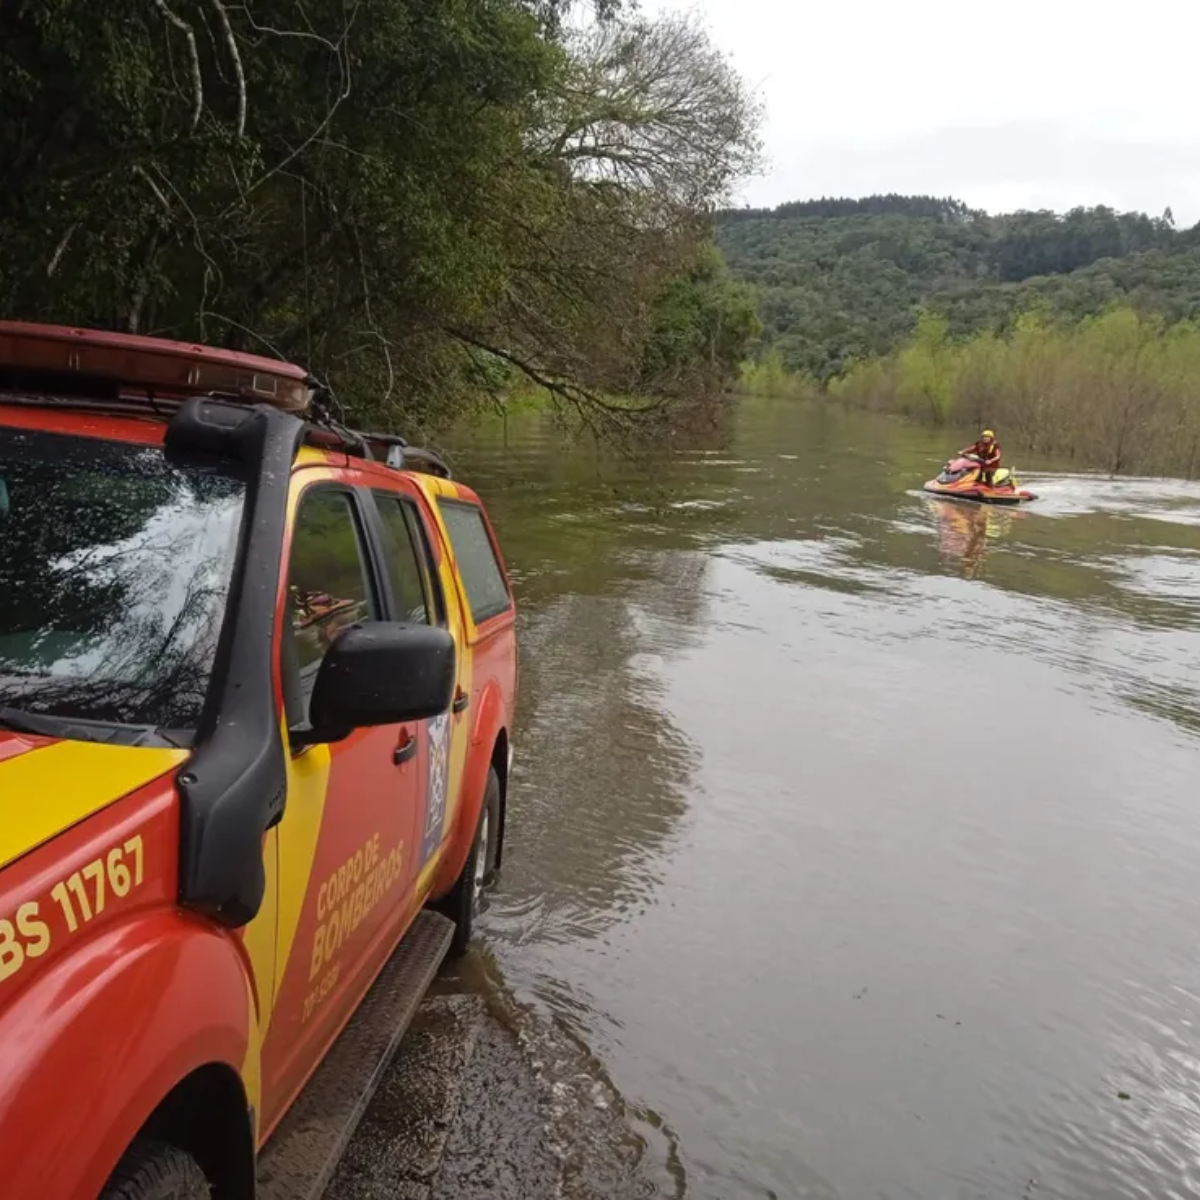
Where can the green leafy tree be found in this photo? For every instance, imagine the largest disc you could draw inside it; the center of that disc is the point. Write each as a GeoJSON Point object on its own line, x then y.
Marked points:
{"type": "Point", "coordinates": [1117, 390]}
{"type": "Point", "coordinates": [927, 370]}
{"type": "Point", "coordinates": [703, 326]}
{"type": "Point", "coordinates": [841, 280]}
{"type": "Point", "coordinates": [400, 193]}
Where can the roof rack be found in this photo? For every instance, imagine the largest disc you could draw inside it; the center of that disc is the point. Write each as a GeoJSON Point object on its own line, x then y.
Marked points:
{"type": "Point", "coordinates": [425, 461]}
{"type": "Point", "coordinates": [388, 448]}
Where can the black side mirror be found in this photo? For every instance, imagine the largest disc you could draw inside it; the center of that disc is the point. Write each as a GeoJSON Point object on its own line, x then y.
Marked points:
{"type": "Point", "coordinates": [380, 673]}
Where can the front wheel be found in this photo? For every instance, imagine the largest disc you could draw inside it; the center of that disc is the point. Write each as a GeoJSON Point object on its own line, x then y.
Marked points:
{"type": "Point", "coordinates": [462, 903]}
{"type": "Point", "coordinates": [156, 1171]}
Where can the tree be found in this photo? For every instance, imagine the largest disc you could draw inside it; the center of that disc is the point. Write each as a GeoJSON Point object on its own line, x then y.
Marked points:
{"type": "Point", "coordinates": [926, 370]}
{"type": "Point", "coordinates": [644, 133]}
{"type": "Point", "coordinates": [701, 330]}
{"type": "Point", "coordinates": [842, 279]}
{"type": "Point", "coordinates": [386, 190]}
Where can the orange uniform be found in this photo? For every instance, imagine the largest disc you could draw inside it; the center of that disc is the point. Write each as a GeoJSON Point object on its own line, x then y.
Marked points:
{"type": "Point", "coordinates": [988, 453]}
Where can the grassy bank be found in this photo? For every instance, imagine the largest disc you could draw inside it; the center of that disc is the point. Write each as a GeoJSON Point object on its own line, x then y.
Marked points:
{"type": "Point", "coordinates": [1119, 392]}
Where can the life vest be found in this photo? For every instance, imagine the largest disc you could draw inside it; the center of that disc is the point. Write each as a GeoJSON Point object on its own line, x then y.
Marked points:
{"type": "Point", "coordinates": [987, 452]}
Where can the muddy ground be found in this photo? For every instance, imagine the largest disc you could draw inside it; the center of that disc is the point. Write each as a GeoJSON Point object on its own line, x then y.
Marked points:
{"type": "Point", "coordinates": [456, 1115]}
{"type": "Point", "coordinates": [477, 1106]}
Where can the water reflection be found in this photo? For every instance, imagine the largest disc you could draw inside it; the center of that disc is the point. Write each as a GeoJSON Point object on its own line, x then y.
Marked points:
{"type": "Point", "coordinates": [753, 866]}
{"type": "Point", "coordinates": [114, 567]}
{"type": "Point", "coordinates": [603, 773]}
{"type": "Point", "coordinates": [964, 531]}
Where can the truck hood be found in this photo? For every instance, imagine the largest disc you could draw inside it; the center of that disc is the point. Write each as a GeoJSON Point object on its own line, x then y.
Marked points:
{"type": "Point", "coordinates": [46, 786]}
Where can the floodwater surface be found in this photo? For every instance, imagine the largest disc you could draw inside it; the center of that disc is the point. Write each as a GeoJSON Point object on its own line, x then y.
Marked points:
{"type": "Point", "coordinates": [854, 847]}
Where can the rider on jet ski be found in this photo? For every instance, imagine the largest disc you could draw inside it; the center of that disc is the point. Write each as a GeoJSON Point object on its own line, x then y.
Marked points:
{"type": "Point", "coordinates": [987, 450]}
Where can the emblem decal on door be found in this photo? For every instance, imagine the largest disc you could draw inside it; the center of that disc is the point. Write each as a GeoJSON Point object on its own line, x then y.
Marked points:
{"type": "Point", "coordinates": [439, 779]}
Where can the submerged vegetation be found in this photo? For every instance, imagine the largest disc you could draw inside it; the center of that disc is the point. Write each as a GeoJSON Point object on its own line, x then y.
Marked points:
{"type": "Point", "coordinates": [1119, 391]}
{"type": "Point", "coordinates": [1078, 335]}
{"type": "Point", "coordinates": [768, 375]}
{"type": "Point", "coordinates": [423, 200]}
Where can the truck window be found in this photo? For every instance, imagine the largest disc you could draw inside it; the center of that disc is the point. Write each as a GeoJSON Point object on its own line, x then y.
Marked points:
{"type": "Point", "coordinates": [115, 564]}
{"type": "Point", "coordinates": [329, 585]}
{"type": "Point", "coordinates": [407, 560]}
{"type": "Point", "coordinates": [487, 591]}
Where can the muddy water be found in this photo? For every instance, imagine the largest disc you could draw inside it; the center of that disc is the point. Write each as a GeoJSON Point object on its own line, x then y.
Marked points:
{"type": "Point", "coordinates": [855, 841]}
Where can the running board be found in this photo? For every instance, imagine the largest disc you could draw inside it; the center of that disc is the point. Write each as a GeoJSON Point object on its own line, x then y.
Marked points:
{"type": "Point", "coordinates": [302, 1155]}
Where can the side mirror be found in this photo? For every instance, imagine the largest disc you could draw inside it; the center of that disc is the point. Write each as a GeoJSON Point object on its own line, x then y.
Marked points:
{"type": "Point", "coordinates": [380, 673]}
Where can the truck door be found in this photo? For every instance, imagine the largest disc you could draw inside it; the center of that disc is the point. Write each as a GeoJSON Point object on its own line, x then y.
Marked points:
{"type": "Point", "coordinates": [346, 838]}
{"type": "Point", "coordinates": [417, 598]}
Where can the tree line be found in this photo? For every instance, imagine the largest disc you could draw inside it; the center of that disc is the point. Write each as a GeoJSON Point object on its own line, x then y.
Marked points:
{"type": "Point", "coordinates": [1077, 334]}
{"type": "Point", "coordinates": [1119, 391]}
{"type": "Point", "coordinates": [935, 207]}
{"type": "Point", "coordinates": [843, 280]}
{"type": "Point", "coordinates": [422, 200]}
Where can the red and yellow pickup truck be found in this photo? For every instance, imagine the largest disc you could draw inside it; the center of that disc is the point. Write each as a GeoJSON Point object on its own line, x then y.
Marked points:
{"type": "Point", "coordinates": [257, 681]}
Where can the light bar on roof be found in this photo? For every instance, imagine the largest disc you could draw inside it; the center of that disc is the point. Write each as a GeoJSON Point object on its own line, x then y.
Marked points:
{"type": "Point", "coordinates": [153, 365]}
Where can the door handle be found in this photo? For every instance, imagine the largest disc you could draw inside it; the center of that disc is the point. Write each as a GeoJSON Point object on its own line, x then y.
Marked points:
{"type": "Point", "coordinates": [461, 700]}
{"type": "Point", "coordinates": [405, 751]}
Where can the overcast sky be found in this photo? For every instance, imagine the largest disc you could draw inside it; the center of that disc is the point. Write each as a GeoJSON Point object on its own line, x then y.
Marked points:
{"type": "Point", "coordinates": [1016, 104]}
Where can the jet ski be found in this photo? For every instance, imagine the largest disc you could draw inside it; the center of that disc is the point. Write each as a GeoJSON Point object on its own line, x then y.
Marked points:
{"type": "Point", "coordinates": [960, 479]}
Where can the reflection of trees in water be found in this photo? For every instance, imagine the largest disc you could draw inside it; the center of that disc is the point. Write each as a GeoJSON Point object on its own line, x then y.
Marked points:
{"type": "Point", "coordinates": [1179, 706]}
{"type": "Point", "coordinates": [603, 774]}
{"type": "Point", "coordinates": [819, 476]}
{"type": "Point", "coordinates": [112, 579]}
{"type": "Point", "coordinates": [702, 427]}
{"type": "Point", "coordinates": [162, 660]}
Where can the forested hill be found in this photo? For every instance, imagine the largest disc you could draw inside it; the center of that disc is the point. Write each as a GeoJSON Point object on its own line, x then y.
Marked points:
{"type": "Point", "coordinates": [840, 279]}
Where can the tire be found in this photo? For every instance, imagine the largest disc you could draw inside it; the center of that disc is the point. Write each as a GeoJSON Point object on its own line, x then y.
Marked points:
{"type": "Point", "coordinates": [461, 905]}
{"type": "Point", "coordinates": [156, 1171]}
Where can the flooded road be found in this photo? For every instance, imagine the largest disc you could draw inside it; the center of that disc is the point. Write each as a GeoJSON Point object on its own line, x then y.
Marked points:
{"type": "Point", "coordinates": [855, 839]}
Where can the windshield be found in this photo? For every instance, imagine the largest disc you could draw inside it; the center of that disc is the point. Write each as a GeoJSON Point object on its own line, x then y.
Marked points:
{"type": "Point", "coordinates": [115, 564]}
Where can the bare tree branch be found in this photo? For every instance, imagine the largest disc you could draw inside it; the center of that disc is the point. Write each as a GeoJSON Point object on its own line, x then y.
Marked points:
{"type": "Point", "coordinates": [653, 106]}
{"type": "Point", "coordinates": [384, 344]}
{"type": "Point", "coordinates": [270, 31]}
{"type": "Point", "coordinates": [253, 333]}
{"type": "Point", "coordinates": [197, 78]}
{"type": "Point", "coordinates": [342, 58]}
{"type": "Point", "coordinates": [562, 387]}
{"type": "Point", "coordinates": [141, 288]}
{"type": "Point", "coordinates": [159, 195]}
{"type": "Point", "coordinates": [235, 55]}
{"type": "Point", "coordinates": [61, 249]}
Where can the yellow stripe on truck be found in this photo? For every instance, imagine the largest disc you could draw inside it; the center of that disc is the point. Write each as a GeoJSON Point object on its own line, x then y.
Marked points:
{"type": "Point", "coordinates": [46, 791]}
{"type": "Point", "coordinates": [299, 837]}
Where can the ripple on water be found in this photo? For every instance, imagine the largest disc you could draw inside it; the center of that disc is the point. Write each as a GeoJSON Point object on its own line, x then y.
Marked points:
{"type": "Point", "coordinates": [1169, 578]}
{"type": "Point", "coordinates": [1173, 501]}
{"type": "Point", "coordinates": [837, 869]}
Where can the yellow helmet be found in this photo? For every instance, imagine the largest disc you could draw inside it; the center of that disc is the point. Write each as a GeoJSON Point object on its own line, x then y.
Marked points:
{"type": "Point", "coordinates": [988, 433]}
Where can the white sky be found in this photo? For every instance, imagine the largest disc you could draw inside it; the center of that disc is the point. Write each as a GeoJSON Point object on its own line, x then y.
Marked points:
{"type": "Point", "coordinates": [1008, 104]}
